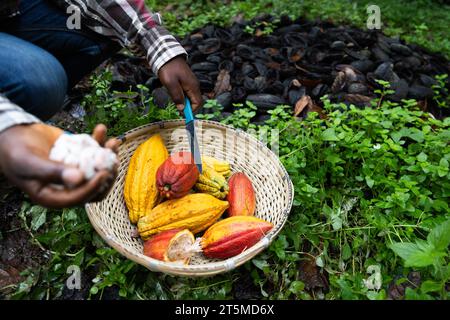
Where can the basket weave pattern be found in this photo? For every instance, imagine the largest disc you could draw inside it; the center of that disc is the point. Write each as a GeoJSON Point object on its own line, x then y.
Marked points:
{"type": "Point", "coordinates": [273, 188]}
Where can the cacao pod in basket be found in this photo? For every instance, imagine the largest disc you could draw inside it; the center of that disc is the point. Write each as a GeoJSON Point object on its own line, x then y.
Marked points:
{"type": "Point", "coordinates": [241, 196]}
{"type": "Point", "coordinates": [219, 166]}
{"type": "Point", "coordinates": [229, 237]}
{"type": "Point", "coordinates": [140, 191]}
{"type": "Point", "coordinates": [195, 212]}
{"type": "Point", "coordinates": [212, 183]}
{"type": "Point", "coordinates": [171, 245]}
{"type": "Point", "coordinates": [177, 175]}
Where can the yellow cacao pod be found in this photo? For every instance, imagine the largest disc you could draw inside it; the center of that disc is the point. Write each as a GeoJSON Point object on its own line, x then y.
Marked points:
{"type": "Point", "coordinates": [195, 212]}
{"type": "Point", "coordinates": [212, 183]}
{"type": "Point", "coordinates": [219, 166]}
{"type": "Point", "coordinates": [140, 191]}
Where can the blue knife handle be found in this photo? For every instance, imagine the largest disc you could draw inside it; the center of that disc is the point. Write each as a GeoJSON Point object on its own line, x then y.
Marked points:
{"type": "Point", "coordinates": [188, 111]}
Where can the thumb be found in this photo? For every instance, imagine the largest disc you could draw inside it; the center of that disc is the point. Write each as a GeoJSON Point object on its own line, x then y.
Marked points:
{"type": "Point", "coordinates": [49, 171]}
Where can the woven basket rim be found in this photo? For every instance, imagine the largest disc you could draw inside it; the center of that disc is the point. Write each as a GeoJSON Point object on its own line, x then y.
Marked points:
{"type": "Point", "coordinates": [211, 268]}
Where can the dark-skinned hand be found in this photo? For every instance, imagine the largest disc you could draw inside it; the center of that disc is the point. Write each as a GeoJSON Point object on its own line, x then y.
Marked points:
{"type": "Point", "coordinates": [24, 151]}
{"type": "Point", "coordinates": [179, 79]}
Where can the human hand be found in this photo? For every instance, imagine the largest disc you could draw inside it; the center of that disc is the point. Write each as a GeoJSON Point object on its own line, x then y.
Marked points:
{"type": "Point", "coordinates": [24, 151]}
{"type": "Point", "coordinates": [178, 78]}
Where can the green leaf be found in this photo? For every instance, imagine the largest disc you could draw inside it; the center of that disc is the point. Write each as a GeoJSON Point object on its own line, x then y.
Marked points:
{"type": "Point", "coordinates": [370, 181]}
{"type": "Point", "coordinates": [94, 290]}
{"type": "Point", "coordinates": [416, 254]}
{"type": "Point", "coordinates": [296, 287]}
{"type": "Point", "coordinates": [396, 136]}
{"type": "Point", "coordinates": [346, 252]}
{"type": "Point", "coordinates": [422, 157]}
{"type": "Point", "coordinates": [70, 214]}
{"type": "Point", "coordinates": [79, 257]}
{"type": "Point", "coordinates": [333, 158]}
{"type": "Point", "coordinates": [260, 263]}
{"type": "Point", "coordinates": [374, 295]}
{"type": "Point", "coordinates": [439, 237]}
{"type": "Point", "coordinates": [442, 172]}
{"type": "Point", "coordinates": [320, 262]}
{"type": "Point", "coordinates": [309, 189]}
{"type": "Point", "coordinates": [430, 286]}
{"type": "Point", "coordinates": [346, 289]}
{"type": "Point", "coordinates": [417, 135]}
{"type": "Point", "coordinates": [280, 246]}
{"type": "Point", "coordinates": [336, 220]}
{"type": "Point", "coordinates": [411, 294]}
{"type": "Point", "coordinates": [39, 216]}
{"type": "Point", "coordinates": [329, 135]}
{"type": "Point", "coordinates": [123, 292]}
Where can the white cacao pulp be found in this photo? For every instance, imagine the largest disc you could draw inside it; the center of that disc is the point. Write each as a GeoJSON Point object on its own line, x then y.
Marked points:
{"type": "Point", "coordinates": [83, 152]}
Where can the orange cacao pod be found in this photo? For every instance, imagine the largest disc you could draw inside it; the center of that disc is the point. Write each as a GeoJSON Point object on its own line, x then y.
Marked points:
{"type": "Point", "coordinates": [230, 236]}
{"type": "Point", "coordinates": [241, 196]}
{"type": "Point", "coordinates": [177, 175]}
{"type": "Point", "coordinates": [170, 245]}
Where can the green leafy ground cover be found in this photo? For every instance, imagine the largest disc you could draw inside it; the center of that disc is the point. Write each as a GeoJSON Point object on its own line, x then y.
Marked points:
{"type": "Point", "coordinates": [371, 214]}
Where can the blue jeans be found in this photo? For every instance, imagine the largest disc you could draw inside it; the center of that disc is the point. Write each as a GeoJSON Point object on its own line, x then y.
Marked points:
{"type": "Point", "coordinates": [40, 58]}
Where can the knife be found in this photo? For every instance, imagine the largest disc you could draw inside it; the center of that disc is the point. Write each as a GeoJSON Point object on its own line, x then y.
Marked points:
{"type": "Point", "coordinates": [190, 128]}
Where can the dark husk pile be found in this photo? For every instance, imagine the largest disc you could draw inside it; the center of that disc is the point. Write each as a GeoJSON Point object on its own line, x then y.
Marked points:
{"type": "Point", "coordinates": [299, 62]}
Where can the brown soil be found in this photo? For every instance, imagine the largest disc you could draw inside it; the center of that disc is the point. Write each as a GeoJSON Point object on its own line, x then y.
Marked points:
{"type": "Point", "coordinates": [17, 252]}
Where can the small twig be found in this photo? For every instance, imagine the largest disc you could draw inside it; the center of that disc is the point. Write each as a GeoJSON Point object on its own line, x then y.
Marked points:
{"type": "Point", "coordinates": [13, 230]}
{"type": "Point", "coordinates": [302, 252]}
{"type": "Point", "coordinates": [211, 285]}
{"type": "Point", "coordinates": [292, 152]}
{"type": "Point", "coordinates": [8, 286]}
{"type": "Point", "coordinates": [35, 240]}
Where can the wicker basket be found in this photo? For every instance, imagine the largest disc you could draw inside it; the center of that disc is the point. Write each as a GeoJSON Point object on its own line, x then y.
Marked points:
{"type": "Point", "coordinates": [273, 187]}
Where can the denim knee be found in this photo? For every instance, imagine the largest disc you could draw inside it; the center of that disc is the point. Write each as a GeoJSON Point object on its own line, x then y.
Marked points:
{"type": "Point", "coordinates": [45, 94]}
{"type": "Point", "coordinates": [31, 77]}
{"type": "Point", "coordinates": [43, 88]}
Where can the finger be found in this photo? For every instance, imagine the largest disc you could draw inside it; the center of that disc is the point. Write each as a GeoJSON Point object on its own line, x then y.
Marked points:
{"type": "Point", "coordinates": [72, 177]}
{"type": "Point", "coordinates": [47, 171]}
{"type": "Point", "coordinates": [105, 188]}
{"type": "Point", "coordinates": [69, 177]}
{"type": "Point", "coordinates": [99, 134]}
{"type": "Point", "coordinates": [113, 144]}
{"type": "Point", "coordinates": [193, 92]}
{"type": "Point", "coordinates": [51, 197]}
{"type": "Point", "coordinates": [176, 93]}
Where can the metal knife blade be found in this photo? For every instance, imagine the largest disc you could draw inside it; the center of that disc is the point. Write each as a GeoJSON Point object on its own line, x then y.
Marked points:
{"type": "Point", "coordinates": [190, 128]}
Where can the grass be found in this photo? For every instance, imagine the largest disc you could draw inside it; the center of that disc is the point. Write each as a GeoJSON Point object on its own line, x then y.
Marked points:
{"type": "Point", "coordinates": [371, 186]}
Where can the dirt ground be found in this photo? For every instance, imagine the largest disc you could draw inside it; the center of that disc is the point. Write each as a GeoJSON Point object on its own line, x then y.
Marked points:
{"type": "Point", "coordinates": [17, 252]}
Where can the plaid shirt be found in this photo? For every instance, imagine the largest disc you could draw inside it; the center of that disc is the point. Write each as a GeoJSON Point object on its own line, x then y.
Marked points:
{"type": "Point", "coordinates": [127, 21]}
{"type": "Point", "coordinates": [11, 115]}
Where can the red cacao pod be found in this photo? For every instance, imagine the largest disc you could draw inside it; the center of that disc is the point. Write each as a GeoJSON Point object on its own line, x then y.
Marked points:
{"type": "Point", "coordinates": [170, 245]}
{"type": "Point", "coordinates": [230, 236]}
{"type": "Point", "coordinates": [177, 175]}
{"type": "Point", "coordinates": [241, 196]}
